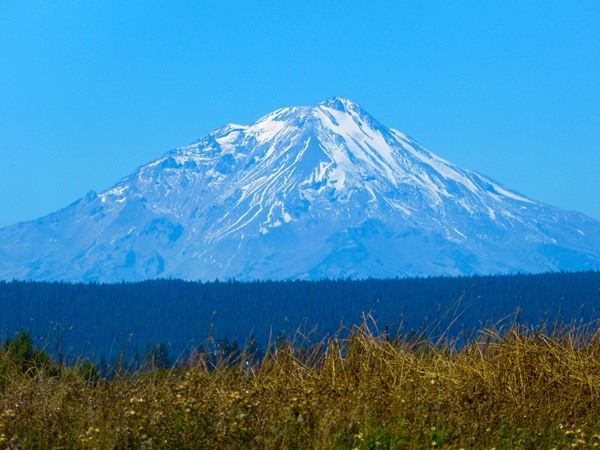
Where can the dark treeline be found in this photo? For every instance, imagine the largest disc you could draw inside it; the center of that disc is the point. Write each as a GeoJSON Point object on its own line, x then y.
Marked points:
{"type": "Point", "coordinates": [103, 320]}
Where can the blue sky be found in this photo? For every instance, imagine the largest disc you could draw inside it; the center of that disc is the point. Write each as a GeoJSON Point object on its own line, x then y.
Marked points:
{"type": "Point", "coordinates": [91, 90]}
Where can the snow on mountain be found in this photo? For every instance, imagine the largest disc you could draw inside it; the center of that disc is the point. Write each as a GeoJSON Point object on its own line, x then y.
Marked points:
{"type": "Point", "coordinates": [304, 192]}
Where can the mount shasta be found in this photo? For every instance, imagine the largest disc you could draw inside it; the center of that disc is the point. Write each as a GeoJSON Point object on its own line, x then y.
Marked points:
{"type": "Point", "coordinates": [303, 193]}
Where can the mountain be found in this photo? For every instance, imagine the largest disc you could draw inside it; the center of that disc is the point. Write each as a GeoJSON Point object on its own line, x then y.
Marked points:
{"type": "Point", "coordinates": [307, 193]}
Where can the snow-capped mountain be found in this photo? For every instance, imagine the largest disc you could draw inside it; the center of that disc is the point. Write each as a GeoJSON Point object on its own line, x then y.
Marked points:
{"type": "Point", "coordinates": [304, 192]}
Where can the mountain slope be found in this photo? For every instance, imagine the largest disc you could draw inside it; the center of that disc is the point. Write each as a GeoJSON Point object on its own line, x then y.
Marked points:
{"type": "Point", "coordinates": [304, 192]}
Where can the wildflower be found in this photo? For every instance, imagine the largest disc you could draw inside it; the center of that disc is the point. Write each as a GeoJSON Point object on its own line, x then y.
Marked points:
{"type": "Point", "coordinates": [9, 413]}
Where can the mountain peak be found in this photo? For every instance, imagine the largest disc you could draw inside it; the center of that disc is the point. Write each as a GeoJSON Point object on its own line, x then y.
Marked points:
{"type": "Point", "coordinates": [342, 104]}
{"type": "Point", "coordinates": [322, 191]}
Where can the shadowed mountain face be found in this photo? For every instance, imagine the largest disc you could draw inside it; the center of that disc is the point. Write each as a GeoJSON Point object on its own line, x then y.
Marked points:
{"type": "Point", "coordinates": [304, 192]}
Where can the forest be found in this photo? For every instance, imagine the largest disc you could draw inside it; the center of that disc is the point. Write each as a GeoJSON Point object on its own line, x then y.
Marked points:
{"type": "Point", "coordinates": [103, 322]}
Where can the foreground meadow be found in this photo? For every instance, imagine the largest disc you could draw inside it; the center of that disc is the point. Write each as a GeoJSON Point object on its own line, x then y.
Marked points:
{"type": "Point", "coordinates": [521, 388]}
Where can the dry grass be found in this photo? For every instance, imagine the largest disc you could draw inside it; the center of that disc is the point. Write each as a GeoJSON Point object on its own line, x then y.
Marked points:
{"type": "Point", "coordinates": [517, 389]}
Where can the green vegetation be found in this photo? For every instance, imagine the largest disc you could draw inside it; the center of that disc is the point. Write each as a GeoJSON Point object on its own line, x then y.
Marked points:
{"type": "Point", "coordinates": [519, 388]}
{"type": "Point", "coordinates": [99, 320]}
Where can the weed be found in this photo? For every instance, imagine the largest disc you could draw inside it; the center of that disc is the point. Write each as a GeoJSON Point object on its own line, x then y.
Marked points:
{"type": "Point", "coordinates": [521, 388]}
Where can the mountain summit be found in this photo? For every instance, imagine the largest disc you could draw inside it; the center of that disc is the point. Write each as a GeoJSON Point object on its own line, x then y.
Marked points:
{"type": "Point", "coordinates": [304, 192]}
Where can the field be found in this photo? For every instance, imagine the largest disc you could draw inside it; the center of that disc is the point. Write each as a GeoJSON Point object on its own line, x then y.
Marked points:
{"type": "Point", "coordinates": [513, 388]}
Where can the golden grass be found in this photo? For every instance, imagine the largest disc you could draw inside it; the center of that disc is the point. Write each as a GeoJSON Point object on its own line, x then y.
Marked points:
{"type": "Point", "coordinates": [517, 389]}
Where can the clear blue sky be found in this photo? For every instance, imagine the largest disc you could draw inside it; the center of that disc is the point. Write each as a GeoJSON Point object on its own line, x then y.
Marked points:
{"type": "Point", "coordinates": [90, 90]}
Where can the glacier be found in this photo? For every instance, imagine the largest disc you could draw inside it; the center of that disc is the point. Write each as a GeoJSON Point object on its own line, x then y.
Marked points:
{"type": "Point", "coordinates": [322, 191]}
